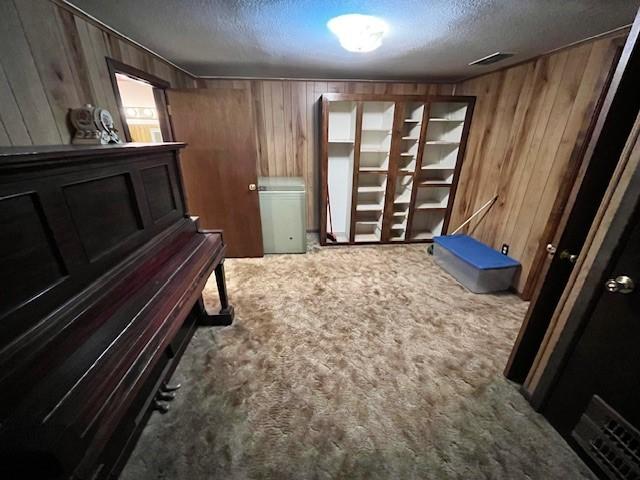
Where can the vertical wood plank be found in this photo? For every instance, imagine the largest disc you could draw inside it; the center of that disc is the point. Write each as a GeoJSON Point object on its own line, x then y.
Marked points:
{"type": "Point", "coordinates": [12, 121]}
{"type": "Point", "coordinates": [47, 46]}
{"type": "Point", "coordinates": [528, 125]}
{"type": "Point", "coordinates": [24, 80]}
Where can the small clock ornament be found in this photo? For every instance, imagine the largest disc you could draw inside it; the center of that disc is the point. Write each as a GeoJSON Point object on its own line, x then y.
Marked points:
{"type": "Point", "coordinates": [94, 126]}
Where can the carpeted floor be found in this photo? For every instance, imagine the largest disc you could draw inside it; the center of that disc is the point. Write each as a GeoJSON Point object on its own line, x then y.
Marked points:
{"type": "Point", "coordinates": [352, 363]}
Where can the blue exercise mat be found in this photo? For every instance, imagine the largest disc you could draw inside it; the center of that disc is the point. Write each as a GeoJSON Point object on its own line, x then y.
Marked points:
{"type": "Point", "coordinates": [475, 253]}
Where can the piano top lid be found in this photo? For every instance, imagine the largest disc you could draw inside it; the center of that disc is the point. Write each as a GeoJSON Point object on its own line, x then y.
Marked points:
{"type": "Point", "coordinates": [33, 153]}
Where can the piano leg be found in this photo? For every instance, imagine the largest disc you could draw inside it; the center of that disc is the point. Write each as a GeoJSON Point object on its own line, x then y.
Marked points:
{"type": "Point", "coordinates": [226, 314]}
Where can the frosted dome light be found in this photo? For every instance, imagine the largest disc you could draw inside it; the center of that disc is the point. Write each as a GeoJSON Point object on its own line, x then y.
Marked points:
{"type": "Point", "coordinates": [358, 33]}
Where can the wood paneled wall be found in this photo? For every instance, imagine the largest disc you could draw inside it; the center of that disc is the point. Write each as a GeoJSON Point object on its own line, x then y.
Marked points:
{"type": "Point", "coordinates": [525, 135]}
{"type": "Point", "coordinates": [287, 128]}
{"type": "Point", "coordinates": [52, 59]}
{"type": "Point", "coordinates": [528, 127]}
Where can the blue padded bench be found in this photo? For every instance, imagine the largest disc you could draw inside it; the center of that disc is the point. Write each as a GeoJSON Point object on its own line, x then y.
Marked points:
{"type": "Point", "coordinates": [475, 265]}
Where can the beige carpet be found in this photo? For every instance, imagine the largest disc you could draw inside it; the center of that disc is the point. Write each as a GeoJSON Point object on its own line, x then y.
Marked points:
{"type": "Point", "coordinates": [352, 363]}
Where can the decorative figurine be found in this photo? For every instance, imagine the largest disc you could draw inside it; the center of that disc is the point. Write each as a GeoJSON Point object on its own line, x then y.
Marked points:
{"type": "Point", "coordinates": [94, 126]}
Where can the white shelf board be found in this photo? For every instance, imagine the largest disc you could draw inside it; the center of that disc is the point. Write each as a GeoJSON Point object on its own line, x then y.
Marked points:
{"type": "Point", "coordinates": [438, 166]}
{"type": "Point", "coordinates": [369, 207]}
{"type": "Point", "coordinates": [367, 237]}
{"type": "Point", "coordinates": [373, 169]}
{"type": "Point", "coordinates": [371, 189]}
{"type": "Point", "coordinates": [441, 142]}
{"type": "Point", "coordinates": [435, 183]}
{"type": "Point", "coordinates": [432, 205]}
{"type": "Point", "coordinates": [368, 222]}
{"type": "Point", "coordinates": [399, 238]}
{"type": "Point", "coordinates": [437, 119]}
{"type": "Point", "coordinates": [412, 120]}
{"type": "Point", "coordinates": [366, 149]}
{"type": "Point", "coordinates": [411, 138]}
{"type": "Point", "coordinates": [399, 226]}
{"type": "Point", "coordinates": [383, 130]}
{"type": "Point", "coordinates": [341, 140]}
{"type": "Point", "coordinates": [422, 236]}
{"type": "Point", "coordinates": [408, 154]}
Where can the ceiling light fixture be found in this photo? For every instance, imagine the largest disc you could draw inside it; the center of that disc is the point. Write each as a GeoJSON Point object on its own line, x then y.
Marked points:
{"type": "Point", "coordinates": [358, 33]}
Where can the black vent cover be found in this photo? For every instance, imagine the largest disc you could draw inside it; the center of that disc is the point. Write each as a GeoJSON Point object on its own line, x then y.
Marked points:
{"type": "Point", "coordinates": [493, 58]}
{"type": "Point", "coordinates": [611, 441]}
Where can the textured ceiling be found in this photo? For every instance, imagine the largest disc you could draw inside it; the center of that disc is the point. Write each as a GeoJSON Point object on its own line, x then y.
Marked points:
{"type": "Point", "coordinates": [427, 39]}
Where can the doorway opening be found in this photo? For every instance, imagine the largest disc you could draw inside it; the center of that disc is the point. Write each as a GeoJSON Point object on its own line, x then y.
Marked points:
{"type": "Point", "coordinates": [139, 105]}
{"type": "Point", "coordinates": [142, 103]}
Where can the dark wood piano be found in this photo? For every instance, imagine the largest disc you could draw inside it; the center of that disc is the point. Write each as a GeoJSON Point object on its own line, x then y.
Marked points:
{"type": "Point", "coordinates": [102, 277]}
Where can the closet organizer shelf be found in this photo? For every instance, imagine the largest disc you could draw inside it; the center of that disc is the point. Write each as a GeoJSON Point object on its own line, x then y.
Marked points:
{"type": "Point", "coordinates": [390, 162]}
{"type": "Point", "coordinates": [368, 149]}
{"type": "Point", "coordinates": [436, 166]}
{"type": "Point", "coordinates": [369, 207]}
{"type": "Point", "coordinates": [435, 183]}
{"type": "Point", "coordinates": [367, 189]}
{"type": "Point", "coordinates": [367, 237]}
{"type": "Point", "coordinates": [423, 236]}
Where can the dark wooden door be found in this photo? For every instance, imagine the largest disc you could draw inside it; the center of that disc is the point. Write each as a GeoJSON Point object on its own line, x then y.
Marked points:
{"type": "Point", "coordinates": [219, 163]}
{"type": "Point", "coordinates": [609, 132]}
{"type": "Point", "coordinates": [605, 361]}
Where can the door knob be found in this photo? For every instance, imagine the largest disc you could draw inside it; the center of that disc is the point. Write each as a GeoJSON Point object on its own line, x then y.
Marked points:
{"type": "Point", "coordinates": [567, 255]}
{"type": "Point", "coordinates": [252, 186]}
{"type": "Point", "coordinates": [551, 249]}
{"type": "Point", "coordinates": [621, 284]}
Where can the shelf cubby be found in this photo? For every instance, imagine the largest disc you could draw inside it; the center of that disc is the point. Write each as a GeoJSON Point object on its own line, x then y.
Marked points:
{"type": "Point", "coordinates": [370, 201]}
{"type": "Point", "coordinates": [429, 198]}
{"type": "Point", "coordinates": [444, 133]}
{"type": "Point", "coordinates": [401, 205]}
{"type": "Point", "coordinates": [427, 224]}
{"type": "Point", "coordinates": [374, 161]}
{"type": "Point", "coordinates": [371, 183]}
{"type": "Point", "coordinates": [436, 176]}
{"type": "Point", "coordinates": [342, 122]}
{"type": "Point", "coordinates": [367, 232]}
{"type": "Point", "coordinates": [407, 164]}
{"type": "Point", "coordinates": [403, 190]}
{"type": "Point", "coordinates": [377, 116]}
{"type": "Point", "coordinates": [411, 130]}
{"type": "Point", "coordinates": [368, 226]}
{"type": "Point", "coordinates": [413, 112]}
{"type": "Point", "coordinates": [448, 111]}
{"type": "Point", "coordinates": [375, 141]}
{"type": "Point", "coordinates": [440, 156]}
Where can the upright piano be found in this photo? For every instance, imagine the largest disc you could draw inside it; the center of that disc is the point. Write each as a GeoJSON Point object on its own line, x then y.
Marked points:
{"type": "Point", "coordinates": [102, 277]}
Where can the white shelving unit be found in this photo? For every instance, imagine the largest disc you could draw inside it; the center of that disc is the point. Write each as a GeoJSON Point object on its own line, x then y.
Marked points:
{"type": "Point", "coordinates": [375, 147]}
{"type": "Point", "coordinates": [401, 205]}
{"type": "Point", "coordinates": [427, 224]}
{"type": "Point", "coordinates": [391, 164]}
{"type": "Point", "coordinates": [439, 160]}
{"type": "Point", "coordinates": [411, 130]}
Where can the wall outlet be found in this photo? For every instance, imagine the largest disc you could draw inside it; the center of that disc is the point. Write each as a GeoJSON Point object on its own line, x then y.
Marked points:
{"type": "Point", "coordinates": [505, 249]}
